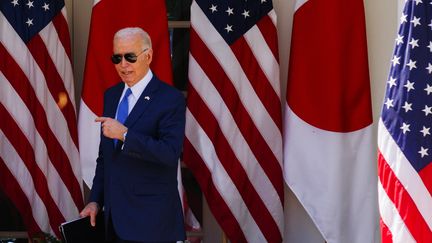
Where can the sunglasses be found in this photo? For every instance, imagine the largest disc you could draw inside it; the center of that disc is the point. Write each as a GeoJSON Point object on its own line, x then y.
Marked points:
{"type": "Point", "coordinates": [129, 57]}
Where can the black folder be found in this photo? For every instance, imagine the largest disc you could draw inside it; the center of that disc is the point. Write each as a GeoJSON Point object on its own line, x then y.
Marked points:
{"type": "Point", "coordinates": [81, 231]}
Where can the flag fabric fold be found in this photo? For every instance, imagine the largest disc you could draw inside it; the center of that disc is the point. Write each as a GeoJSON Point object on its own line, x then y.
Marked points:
{"type": "Point", "coordinates": [328, 142]}
{"type": "Point", "coordinates": [39, 158]}
{"type": "Point", "coordinates": [404, 136]}
{"type": "Point", "coordinates": [233, 120]}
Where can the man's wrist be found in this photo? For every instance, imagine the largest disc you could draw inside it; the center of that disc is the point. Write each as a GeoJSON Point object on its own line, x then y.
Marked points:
{"type": "Point", "coordinates": [124, 135]}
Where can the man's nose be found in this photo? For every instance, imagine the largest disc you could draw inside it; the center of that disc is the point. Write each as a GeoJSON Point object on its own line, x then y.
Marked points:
{"type": "Point", "coordinates": [123, 62]}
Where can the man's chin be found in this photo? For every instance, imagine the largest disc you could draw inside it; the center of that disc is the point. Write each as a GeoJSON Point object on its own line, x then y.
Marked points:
{"type": "Point", "coordinates": [128, 81]}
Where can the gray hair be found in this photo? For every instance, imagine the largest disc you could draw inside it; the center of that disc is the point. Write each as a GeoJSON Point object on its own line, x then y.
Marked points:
{"type": "Point", "coordinates": [132, 31]}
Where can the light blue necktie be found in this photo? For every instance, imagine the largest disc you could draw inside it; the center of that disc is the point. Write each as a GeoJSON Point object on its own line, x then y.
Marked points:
{"type": "Point", "coordinates": [123, 109]}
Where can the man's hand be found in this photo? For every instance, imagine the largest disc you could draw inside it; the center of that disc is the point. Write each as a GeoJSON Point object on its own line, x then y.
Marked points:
{"type": "Point", "coordinates": [91, 210]}
{"type": "Point", "coordinates": [111, 128]}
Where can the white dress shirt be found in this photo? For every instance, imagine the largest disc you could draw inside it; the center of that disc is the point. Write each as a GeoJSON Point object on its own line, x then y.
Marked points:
{"type": "Point", "coordinates": [137, 90]}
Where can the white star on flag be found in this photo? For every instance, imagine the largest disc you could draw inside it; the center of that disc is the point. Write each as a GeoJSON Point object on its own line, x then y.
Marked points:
{"type": "Point", "coordinates": [427, 110]}
{"type": "Point", "coordinates": [403, 18]}
{"type": "Point", "coordinates": [389, 103]}
{"type": "Point", "coordinates": [405, 127]}
{"type": "Point", "coordinates": [428, 89]}
{"type": "Point", "coordinates": [429, 68]}
{"type": "Point", "coordinates": [411, 64]}
{"type": "Point", "coordinates": [409, 85]}
{"type": "Point", "coordinates": [407, 106]}
{"type": "Point", "coordinates": [399, 40]}
{"type": "Point", "coordinates": [230, 11]}
{"type": "Point", "coordinates": [416, 21]}
{"type": "Point", "coordinates": [425, 131]}
{"type": "Point", "coordinates": [392, 82]}
{"type": "Point", "coordinates": [413, 43]}
{"type": "Point", "coordinates": [423, 152]}
{"type": "Point", "coordinates": [30, 4]}
{"type": "Point", "coordinates": [395, 60]}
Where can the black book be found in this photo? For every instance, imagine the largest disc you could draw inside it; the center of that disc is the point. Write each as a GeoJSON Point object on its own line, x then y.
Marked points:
{"type": "Point", "coordinates": [81, 231]}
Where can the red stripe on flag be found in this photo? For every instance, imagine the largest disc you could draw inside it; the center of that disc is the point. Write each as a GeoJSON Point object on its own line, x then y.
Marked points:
{"type": "Point", "coordinates": [233, 167]}
{"type": "Point", "coordinates": [386, 235]}
{"type": "Point", "coordinates": [223, 214]}
{"type": "Point", "coordinates": [54, 83]}
{"type": "Point", "coordinates": [56, 153]}
{"type": "Point", "coordinates": [268, 30]}
{"type": "Point", "coordinates": [258, 80]}
{"type": "Point", "coordinates": [61, 26]}
{"type": "Point", "coordinates": [426, 176]}
{"type": "Point", "coordinates": [223, 84]}
{"type": "Point", "coordinates": [10, 186]}
{"type": "Point", "coordinates": [27, 154]}
{"type": "Point", "coordinates": [407, 209]}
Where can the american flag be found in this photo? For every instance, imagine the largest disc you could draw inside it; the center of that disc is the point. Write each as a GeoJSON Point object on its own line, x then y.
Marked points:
{"type": "Point", "coordinates": [39, 159]}
{"type": "Point", "coordinates": [404, 133]}
{"type": "Point", "coordinates": [233, 122]}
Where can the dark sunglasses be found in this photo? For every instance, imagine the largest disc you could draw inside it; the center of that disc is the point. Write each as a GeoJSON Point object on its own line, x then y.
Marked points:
{"type": "Point", "coordinates": [129, 57]}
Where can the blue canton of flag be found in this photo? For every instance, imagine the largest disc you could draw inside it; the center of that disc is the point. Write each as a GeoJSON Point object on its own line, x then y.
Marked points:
{"type": "Point", "coordinates": [407, 110]}
{"type": "Point", "coordinates": [30, 17]}
{"type": "Point", "coordinates": [242, 15]}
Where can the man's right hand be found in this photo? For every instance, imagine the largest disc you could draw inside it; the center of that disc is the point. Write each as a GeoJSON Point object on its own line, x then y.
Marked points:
{"type": "Point", "coordinates": [91, 210]}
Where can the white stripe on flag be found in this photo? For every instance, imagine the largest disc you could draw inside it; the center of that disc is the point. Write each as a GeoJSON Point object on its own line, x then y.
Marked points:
{"type": "Point", "coordinates": [273, 17]}
{"type": "Point", "coordinates": [390, 216]}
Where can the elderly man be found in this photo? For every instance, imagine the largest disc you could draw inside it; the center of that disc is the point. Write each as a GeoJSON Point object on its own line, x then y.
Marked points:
{"type": "Point", "coordinates": [142, 133]}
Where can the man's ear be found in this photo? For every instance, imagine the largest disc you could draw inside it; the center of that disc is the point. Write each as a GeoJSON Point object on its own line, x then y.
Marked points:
{"type": "Point", "coordinates": [149, 56]}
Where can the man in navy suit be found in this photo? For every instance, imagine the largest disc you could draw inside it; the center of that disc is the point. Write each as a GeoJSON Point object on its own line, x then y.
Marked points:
{"type": "Point", "coordinates": [136, 173]}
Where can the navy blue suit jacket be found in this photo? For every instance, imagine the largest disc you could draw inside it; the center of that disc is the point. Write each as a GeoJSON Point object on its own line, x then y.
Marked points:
{"type": "Point", "coordinates": [137, 185]}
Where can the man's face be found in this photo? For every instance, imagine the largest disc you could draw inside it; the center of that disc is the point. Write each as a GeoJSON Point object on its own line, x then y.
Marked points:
{"type": "Point", "coordinates": [131, 73]}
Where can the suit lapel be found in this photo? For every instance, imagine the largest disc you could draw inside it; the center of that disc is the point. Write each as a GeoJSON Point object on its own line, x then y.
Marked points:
{"type": "Point", "coordinates": [112, 104]}
{"type": "Point", "coordinates": [143, 102]}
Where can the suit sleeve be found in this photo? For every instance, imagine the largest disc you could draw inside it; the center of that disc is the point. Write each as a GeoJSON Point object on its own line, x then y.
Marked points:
{"type": "Point", "coordinates": [164, 148]}
{"type": "Point", "coordinates": [96, 194]}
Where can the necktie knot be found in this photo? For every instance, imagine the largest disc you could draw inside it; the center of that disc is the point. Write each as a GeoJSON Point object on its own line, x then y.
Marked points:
{"type": "Point", "coordinates": [127, 93]}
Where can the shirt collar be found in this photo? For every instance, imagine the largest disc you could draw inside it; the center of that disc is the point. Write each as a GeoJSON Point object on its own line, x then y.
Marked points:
{"type": "Point", "coordinates": [139, 87]}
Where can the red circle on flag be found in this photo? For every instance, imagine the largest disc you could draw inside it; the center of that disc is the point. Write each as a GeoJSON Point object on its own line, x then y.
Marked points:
{"type": "Point", "coordinates": [328, 83]}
